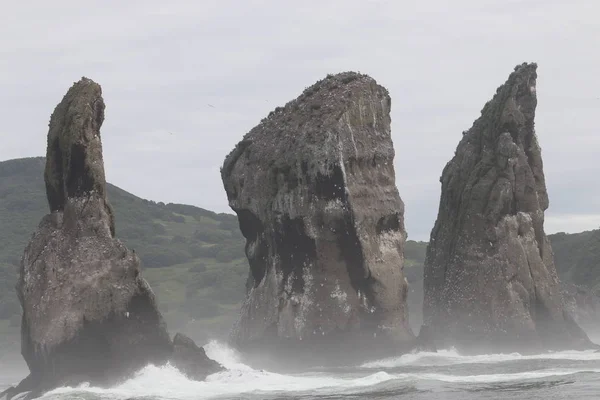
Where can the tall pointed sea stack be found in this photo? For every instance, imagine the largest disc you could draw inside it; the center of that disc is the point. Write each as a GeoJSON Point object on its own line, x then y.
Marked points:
{"type": "Point", "coordinates": [88, 316]}
{"type": "Point", "coordinates": [490, 280]}
{"type": "Point", "coordinates": [313, 186]}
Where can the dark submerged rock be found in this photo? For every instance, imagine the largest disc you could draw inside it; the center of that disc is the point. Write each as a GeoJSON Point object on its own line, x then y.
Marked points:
{"type": "Point", "coordinates": [192, 360]}
{"type": "Point", "coordinates": [88, 315]}
{"type": "Point", "coordinates": [313, 186]}
{"type": "Point", "coordinates": [490, 280]}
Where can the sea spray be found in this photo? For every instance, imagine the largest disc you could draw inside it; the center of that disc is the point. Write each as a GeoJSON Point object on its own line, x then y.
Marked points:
{"type": "Point", "coordinates": [444, 370]}
{"type": "Point", "coordinates": [168, 382]}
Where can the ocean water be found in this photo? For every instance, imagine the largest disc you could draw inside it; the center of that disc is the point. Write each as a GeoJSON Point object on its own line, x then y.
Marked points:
{"type": "Point", "coordinates": [442, 375]}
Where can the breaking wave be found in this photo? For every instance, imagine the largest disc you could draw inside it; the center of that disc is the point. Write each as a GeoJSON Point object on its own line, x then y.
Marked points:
{"type": "Point", "coordinates": [167, 382]}
{"type": "Point", "coordinates": [451, 357]}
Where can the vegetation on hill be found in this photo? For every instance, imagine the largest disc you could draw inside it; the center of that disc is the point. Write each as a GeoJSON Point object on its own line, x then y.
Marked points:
{"type": "Point", "coordinates": [194, 258]}
{"type": "Point", "coordinates": [577, 257]}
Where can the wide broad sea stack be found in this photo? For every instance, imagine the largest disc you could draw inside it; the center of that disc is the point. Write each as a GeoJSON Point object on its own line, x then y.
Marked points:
{"type": "Point", "coordinates": [88, 316]}
{"type": "Point", "coordinates": [490, 281]}
{"type": "Point", "coordinates": [313, 186]}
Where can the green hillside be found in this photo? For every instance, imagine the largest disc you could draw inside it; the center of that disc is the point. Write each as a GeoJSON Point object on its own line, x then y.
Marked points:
{"type": "Point", "coordinates": [577, 258]}
{"type": "Point", "coordinates": [193, 258]}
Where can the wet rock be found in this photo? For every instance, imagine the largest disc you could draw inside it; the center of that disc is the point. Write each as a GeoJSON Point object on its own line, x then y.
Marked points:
{"type": "Point", "coordinates": [490, 279]}
{"type": "Point", "coordinates": [88, 315]}
{"type": "Point", "coordinates": [313, 186]}
{"type": "Point", "coordinates": [192, 360]}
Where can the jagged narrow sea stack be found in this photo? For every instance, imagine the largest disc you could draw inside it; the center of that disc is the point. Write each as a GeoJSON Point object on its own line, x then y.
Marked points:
{"type": "Point", "coordinates": [313, 186]}
{"type": "Point", "coordinates": [88, 316]}
{"type": "Point", "coordinates": [490, 281]}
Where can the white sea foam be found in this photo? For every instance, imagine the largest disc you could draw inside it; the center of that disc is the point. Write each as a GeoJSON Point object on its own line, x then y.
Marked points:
{"type": "Point", "coordinates": [493, 378]}
{"type": "Point", "coordinates": [451, 357]}
{"type": "Point", "coordinates": [168, 383]}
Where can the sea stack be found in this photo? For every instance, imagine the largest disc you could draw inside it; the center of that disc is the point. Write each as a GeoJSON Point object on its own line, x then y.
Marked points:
{"type": "Point", "coordinates": [490, 281]}
{"type": "Point", "coordinates": [88, 316]}
{"type": "Point", "coordinates": [313, 186]}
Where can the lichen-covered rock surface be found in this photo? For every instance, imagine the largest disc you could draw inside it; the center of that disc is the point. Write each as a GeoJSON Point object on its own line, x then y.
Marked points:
{"type": "Point", "coordinates": [490, 280]}
{"type": "Point", "coordinates": [313, 186]}
{"type": "Point", "coordinates": [88, 316]}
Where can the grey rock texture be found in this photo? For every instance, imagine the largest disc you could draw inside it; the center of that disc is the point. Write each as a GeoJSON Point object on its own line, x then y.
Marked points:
{"type": "Point", "coordinates": [490, 279]}
{"type": "Point", "coordinates": [88, 315]}
{"type": "Point", "coordinates": [192, 360]}
{"type": "Point", "coordinates": [313, 186]}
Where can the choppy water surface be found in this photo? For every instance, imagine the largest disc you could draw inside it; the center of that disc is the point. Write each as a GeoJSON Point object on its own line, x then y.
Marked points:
{"type": "Point", "coordinates": [443, 375]}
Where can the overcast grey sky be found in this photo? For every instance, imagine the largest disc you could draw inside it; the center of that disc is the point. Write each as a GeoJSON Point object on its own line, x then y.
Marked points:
{"type": "Point", "coordinates": [185, 80]}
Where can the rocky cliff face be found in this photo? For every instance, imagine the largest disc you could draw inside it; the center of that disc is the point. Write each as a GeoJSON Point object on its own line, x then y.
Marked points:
{"type": "Point", "coordinates": [490, 279]}
{"type": "Point", "coordinates": [313, 186]}
{"type": "Point", "coordinates": [88, 316]}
